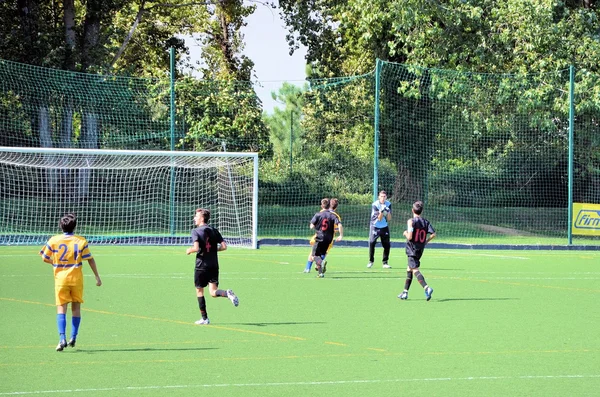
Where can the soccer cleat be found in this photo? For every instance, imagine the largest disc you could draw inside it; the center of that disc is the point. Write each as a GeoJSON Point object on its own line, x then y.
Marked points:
{"type": "Point", "coordinates": [428, 292]}
{"type": "Point", "coordinates": [233, 298]}
{"type": "Point", "coordinates": [202, 322]}
{"type": "Point", "coordinates": [386, 266]}
{"type": "Point", "coordinates": [369, 265]}
{"type": "Point", "coordinates": [403, 296]}
{"type": "Point", "coordinates": [306, 271]}
{"type": "Point", "coordinates": [324, 266]}
{"type": "Point", "coordinates": [71, 342]}
{"type": "Point", "coordinates": [61, 345]}
{"type": "Point", "coordinates": [321, 275]}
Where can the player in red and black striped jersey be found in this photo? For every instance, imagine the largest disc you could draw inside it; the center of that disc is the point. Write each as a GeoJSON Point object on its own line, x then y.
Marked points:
{"type": "Point", "coordinates": [324, 223]}
{"type": "Point", "coordinates": [419, 232]}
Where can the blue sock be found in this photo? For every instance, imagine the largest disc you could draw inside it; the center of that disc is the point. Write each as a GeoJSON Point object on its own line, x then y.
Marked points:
{"type": "Point", "coordinates": [76, 321]}
{"type": "Point", "coordinates": [61, 323]}
{"type": "Point", "coordinates": [308, 265]}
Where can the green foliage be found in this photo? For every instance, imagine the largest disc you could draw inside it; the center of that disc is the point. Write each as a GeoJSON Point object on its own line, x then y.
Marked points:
{"type": "Point", "coordinates": [218, 113]}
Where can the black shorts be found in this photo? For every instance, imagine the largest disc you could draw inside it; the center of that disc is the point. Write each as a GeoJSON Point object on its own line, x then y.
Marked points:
{"type": "Point", "coordinates": [321, 247]}
{"type": "Point", "coordinates": [206, 274]}
{"type": "Point", "coordinates": [414, 262]}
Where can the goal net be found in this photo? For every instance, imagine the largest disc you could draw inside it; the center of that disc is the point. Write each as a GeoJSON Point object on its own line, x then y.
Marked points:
{"type": "Point", "coordinates": [126, 197]}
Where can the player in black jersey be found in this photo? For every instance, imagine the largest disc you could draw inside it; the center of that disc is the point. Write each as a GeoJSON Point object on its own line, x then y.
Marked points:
{"type": "Point", "coordinates": [324, 223]}
{"type": "Point", "coordinates": [419, 232]}
{"type": "Point", "coordinates": [207, 242]}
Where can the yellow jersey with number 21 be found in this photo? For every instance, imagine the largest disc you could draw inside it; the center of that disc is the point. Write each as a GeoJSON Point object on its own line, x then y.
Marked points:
{"type": "Point", "coordinates": [67, 252]}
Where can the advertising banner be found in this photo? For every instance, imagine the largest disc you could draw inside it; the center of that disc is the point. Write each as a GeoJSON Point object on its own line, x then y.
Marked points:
{"type": "Point", "coordinates": [586, 219]}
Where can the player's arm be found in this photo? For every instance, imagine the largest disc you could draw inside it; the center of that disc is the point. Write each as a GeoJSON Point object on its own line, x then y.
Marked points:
{"type": "Point", "coordinates": [341, 231]}
{"type": "Point", "coordinates": [431, 237]}
{"type": "Point", "coordinates": [431, 232]}
{"type": "Point", "coordinates": [195, 248]}
{"type": "Point", "coordinates": [92, 263]}
{"type": "Point", "coordinates": [314, 220]}
{"type": "Point", "coordinates": [222, 246]}
{"type": "Point", "coordinates": [409, 229]}
{"type": "Point", "coordinates": [46, 253]}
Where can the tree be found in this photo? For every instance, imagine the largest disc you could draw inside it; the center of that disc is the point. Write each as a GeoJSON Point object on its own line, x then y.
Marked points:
{"type": "Point", "coordinates": [481, 36]}
{"type": "Point", "coordinates": [285, 128]}
{"type": "Point", "coordinates": [132, 38]}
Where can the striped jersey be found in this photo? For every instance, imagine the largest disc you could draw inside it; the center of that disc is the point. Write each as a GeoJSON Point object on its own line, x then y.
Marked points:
{"type": "Point", "coordinates": [67, 252]}
{"type": "Point", "coordinates": [421, 228]}
{"type": "Point", "coordinates": [325, 223]}
{"type": "Point", "coordinates": [336, 229]}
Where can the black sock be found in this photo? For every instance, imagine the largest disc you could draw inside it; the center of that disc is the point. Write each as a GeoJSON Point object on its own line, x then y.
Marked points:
{"type": "Point", "coordinates": [409, 277]}
{"type": "Point", "coordinates": [202, 304]}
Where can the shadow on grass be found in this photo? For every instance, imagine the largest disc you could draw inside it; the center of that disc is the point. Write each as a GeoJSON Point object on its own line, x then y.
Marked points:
{"type": "Point", "coordinates": [361, 276]}
{"type": "Point", "coordinates": [148, 349]}
{"type": "Point", "coordinates": [474, 299]}
{"type": "Point", "coordinates": [290, 323]}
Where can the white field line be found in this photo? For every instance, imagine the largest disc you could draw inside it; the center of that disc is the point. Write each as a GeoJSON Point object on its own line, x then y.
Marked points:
{"type": "Point", "coordinates": [317, 383]}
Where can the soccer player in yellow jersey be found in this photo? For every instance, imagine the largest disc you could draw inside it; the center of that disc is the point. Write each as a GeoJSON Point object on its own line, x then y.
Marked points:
{"type": "Point", "coordinates": [66, 252]}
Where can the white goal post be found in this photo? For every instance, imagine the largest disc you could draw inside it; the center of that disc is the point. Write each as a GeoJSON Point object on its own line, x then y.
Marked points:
{"type": "Point", "coordinates": [137, 197]}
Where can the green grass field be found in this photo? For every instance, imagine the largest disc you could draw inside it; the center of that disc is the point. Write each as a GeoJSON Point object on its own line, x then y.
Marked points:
{"type": "Point", "coordinates": [517, 323]}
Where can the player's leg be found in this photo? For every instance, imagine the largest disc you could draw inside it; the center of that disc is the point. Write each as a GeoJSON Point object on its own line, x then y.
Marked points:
{"type": "Point", "coordinates": [373, 236]}
{"type": "Point", "coordinates": [77, 296]}
{"type": "Point", "coordinates": [421, 279]}
{"type": "Point", "coordinates": [310, 261]}
{"type": "Point", "coordinates": [324, 262]}
{"type": "Point", "coordinates": [61, 324]}
{"type": "Point", "coordinates": [62, 298]}
{"type": "Point", "coordinates": [409, 277]}
{"type": "Point", "coordinates": [75, 322]}
{"type": "Point", "coordinates": [201, 281]}
{"type": "Point", "coordinates": [385, 243]}
{"type": "Point", "coordinates": [321, 254]}
{"type": "Point", "coordinates": [315, 255]}
{"type": "Point", "coordinates": [213, 285]}
{"type": "Point", "coordinates": [215, 292]}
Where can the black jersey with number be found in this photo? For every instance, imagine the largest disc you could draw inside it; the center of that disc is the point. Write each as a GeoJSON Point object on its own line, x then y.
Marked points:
{"type": "Point", "coordinates": [325, 223]}
{"type": "Point", "coordinates": [416, 245]}
{"type": "Point", "coordinates": [207, 237]}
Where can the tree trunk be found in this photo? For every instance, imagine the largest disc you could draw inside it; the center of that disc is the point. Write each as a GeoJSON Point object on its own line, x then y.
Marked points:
{"type": "Point", "coordinates": [224, 40]}
{"type": "Point", "coordinates": [70, 35]}
{"type": "Point", "coordinates": [91, 37]}
{"type": "Point", "coordinates": [28, 10]}
{"type": "Point", "coordinates": [89, 141]}
{"type": "Point", "coordinates": [43, 123]}
{"type": "Point", "coordinates": [91, 33]}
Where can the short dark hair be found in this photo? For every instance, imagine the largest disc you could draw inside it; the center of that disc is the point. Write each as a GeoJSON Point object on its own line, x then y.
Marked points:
{"type": "Point", "coordinates": [325, 203]}
{"type": "Point", "coordinates": [205, 214]}
{"type": "Point", "coordinates": [382, 192]}
{"type": "Point", "coordinates": [333, 203]}
{"type": "Point", "coordinates": [68, 222]}
{"type": "Point", "coordinates": [418, 207]}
